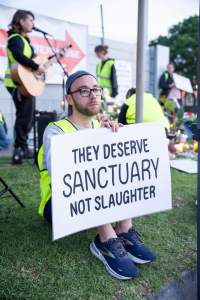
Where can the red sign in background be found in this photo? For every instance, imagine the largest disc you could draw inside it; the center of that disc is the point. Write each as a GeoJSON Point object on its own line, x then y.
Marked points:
{"type": "Point", "coordinates": [72, 57]}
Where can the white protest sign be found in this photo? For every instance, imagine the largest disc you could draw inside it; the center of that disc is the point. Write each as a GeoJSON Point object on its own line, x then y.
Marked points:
{"type": "Point", "coordinates": [185, 165]}
{"type": "Point", "coordinates": [182, 83]}
{"type": "Point", "coordinates": [124, 77]}
{"type": "Point", "coordinates": [99, 177]}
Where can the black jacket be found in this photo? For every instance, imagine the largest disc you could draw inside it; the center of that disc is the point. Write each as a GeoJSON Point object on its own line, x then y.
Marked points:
{"type": "Point", "coordinates": [122, 114]}
{"type": "Point", "coordinates": [15, 45]}
{"type": "Point", "coordinates": [164, 83]}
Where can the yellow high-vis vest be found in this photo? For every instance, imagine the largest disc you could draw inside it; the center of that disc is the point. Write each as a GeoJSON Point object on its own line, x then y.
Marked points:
{"type": "Point", "coordinates": [45, 180]}
{"type": "Point", "coordinates": [152, 111]}
{"type": "Point", "coordinates": [27, 51]}
{"type": "Point", "coordinates": [1, 118]}
{"type": "Point", "coordinates": [104, 75]}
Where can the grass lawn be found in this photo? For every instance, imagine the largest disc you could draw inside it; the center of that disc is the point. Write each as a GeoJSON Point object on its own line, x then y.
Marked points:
{"type": "Point", "coordinates": [34, 267]}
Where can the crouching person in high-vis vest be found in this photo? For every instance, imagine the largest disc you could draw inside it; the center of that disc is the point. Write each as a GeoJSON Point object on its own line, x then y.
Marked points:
{"type": "Point", "coordinates": [152, 111]}
{"type": "Point", "coordinates": [118, 248]}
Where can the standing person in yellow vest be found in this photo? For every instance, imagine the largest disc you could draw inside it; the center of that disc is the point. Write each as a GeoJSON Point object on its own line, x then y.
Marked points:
{"type": "Point", "coordinates": [152, 111]}
{"type": "Point", "coordinates": [166, 81]}
{"type": "Point", "coordinates": [118, 248]}
{"type": "Point", "coordinates": [105, 71]}
{"type": "Point", "coordinates": [19, 50]}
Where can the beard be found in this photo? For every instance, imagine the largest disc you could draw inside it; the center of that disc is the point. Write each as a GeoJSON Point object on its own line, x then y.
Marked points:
{"type": "Point", "coordinates": [85, 110]}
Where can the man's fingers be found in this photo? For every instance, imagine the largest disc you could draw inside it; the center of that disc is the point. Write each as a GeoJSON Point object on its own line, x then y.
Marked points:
{"type": "Point", "coordinates": [112, 125]}
{"type": "Point", "coordinates": [102, 117]}
{"type": "Point", "coordinates": [105, 124]}
{"type": "Point", "coordinates": [115, 126]}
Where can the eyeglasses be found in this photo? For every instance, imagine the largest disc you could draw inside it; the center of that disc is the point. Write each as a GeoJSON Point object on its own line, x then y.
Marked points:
{"type": "Point", "coordinates": [84, 92]}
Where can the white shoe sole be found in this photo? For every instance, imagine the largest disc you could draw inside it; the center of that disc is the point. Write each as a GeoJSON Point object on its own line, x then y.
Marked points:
{"type": "Point", "coordinates": [98, 255]}
{"type": "Point", "coordinates": [137, 260]}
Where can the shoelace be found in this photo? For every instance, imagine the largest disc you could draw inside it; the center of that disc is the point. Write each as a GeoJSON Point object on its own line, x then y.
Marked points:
{"type": "Point", "coordinates": [135, 235]}
{"type": "Point", "coordinates": [117, 248]}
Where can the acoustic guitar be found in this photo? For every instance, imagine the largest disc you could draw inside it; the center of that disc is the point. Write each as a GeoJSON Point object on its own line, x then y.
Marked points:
{"type": "Point", "coordinates": [29, 82]}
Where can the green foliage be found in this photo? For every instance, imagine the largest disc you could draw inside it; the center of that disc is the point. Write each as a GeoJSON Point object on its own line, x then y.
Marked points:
{"type": "Point", "coordinates": [182, 39]}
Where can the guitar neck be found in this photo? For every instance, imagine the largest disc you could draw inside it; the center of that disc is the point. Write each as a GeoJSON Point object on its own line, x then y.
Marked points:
{"type": "Point", "coordinates": [51, 61]}
{"type": "Point", "coordinates": [56, 56]}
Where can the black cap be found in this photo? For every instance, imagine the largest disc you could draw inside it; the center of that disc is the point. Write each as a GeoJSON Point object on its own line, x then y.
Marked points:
{"type": "Point", "coordinates": [75, 76]}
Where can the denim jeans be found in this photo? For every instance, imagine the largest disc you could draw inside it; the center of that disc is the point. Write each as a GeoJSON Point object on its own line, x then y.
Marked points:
{"type": "Point", "coordinates": [4, 142]}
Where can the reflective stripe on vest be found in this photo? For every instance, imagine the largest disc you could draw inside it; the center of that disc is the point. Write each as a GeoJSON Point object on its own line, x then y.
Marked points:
{"type": "Point", "coordinates": [166, 76]}
{"type": "Point", "coordinates": [152, 111]}
{"type": "Point", "coordinates": [104, 75]}
{"type": "Point", "coordinates": [27, 51]}
{"type": "Point", "coordinates": [45, 180]}
{"type": "Point", "coordinates": [1, 119]}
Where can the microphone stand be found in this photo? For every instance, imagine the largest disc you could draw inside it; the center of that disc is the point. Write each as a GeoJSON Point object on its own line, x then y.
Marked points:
{"type": "Point", "coordinates": [65, 73]}
{"type": "Point", "coordinates": [63, 88]}
{"type": "Point", "coordinates": [63, 91]}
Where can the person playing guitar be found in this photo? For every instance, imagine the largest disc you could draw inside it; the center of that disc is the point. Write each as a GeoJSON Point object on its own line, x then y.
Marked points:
{"type": "Point", "coordinates": [19, 50]}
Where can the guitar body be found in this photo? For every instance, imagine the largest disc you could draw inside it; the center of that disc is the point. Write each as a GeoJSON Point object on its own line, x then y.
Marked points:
{"type": "Point", "coordinates": [30, 84]}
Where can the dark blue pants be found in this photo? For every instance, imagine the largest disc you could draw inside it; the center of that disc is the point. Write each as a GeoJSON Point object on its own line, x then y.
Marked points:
{"type": "Point", "coordinates": [4, 142]}
{"type": "Point", "coordinates": [47, 212]}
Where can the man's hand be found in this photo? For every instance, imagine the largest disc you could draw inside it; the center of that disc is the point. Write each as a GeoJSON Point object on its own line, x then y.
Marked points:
{"type": "Point", "coordinates": [172, 85]}
{"type": "Point", "coordinates": [102, 117]}
{"type": "Point", "coordinates": [114, 126]}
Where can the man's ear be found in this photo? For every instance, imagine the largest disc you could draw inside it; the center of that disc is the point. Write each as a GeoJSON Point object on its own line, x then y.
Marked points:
{"type": "Point", "coordinates": [21, 22]}
{"type": "Point", "coordinates": [69, 99]}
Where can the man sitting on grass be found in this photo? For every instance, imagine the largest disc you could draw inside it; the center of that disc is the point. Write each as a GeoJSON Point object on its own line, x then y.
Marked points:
{"type": "Point", "coordinates": [118, 248]}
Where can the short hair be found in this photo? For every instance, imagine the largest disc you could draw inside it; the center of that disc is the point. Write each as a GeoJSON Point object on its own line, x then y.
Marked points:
{"type": "Point", "coordinates": [15, 22]}
{"type": "Point", "coordinates": [171, 63]}
{"type": "Point", "coordinates": [130, 92]}
{"type": "Point", "coordinates": [101, 48]}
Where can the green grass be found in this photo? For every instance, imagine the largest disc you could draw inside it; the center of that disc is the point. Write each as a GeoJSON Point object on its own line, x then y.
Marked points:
{"type": "Point", "coordinates": [34, 267]}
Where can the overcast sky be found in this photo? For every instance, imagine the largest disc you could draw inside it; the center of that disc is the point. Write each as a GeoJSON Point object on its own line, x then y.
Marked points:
{"type": "Point", "coordinates": [120, 16]}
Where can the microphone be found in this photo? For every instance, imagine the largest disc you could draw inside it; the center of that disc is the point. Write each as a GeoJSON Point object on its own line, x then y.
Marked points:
{"type": "Point", "coordinates": [41, 31]}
